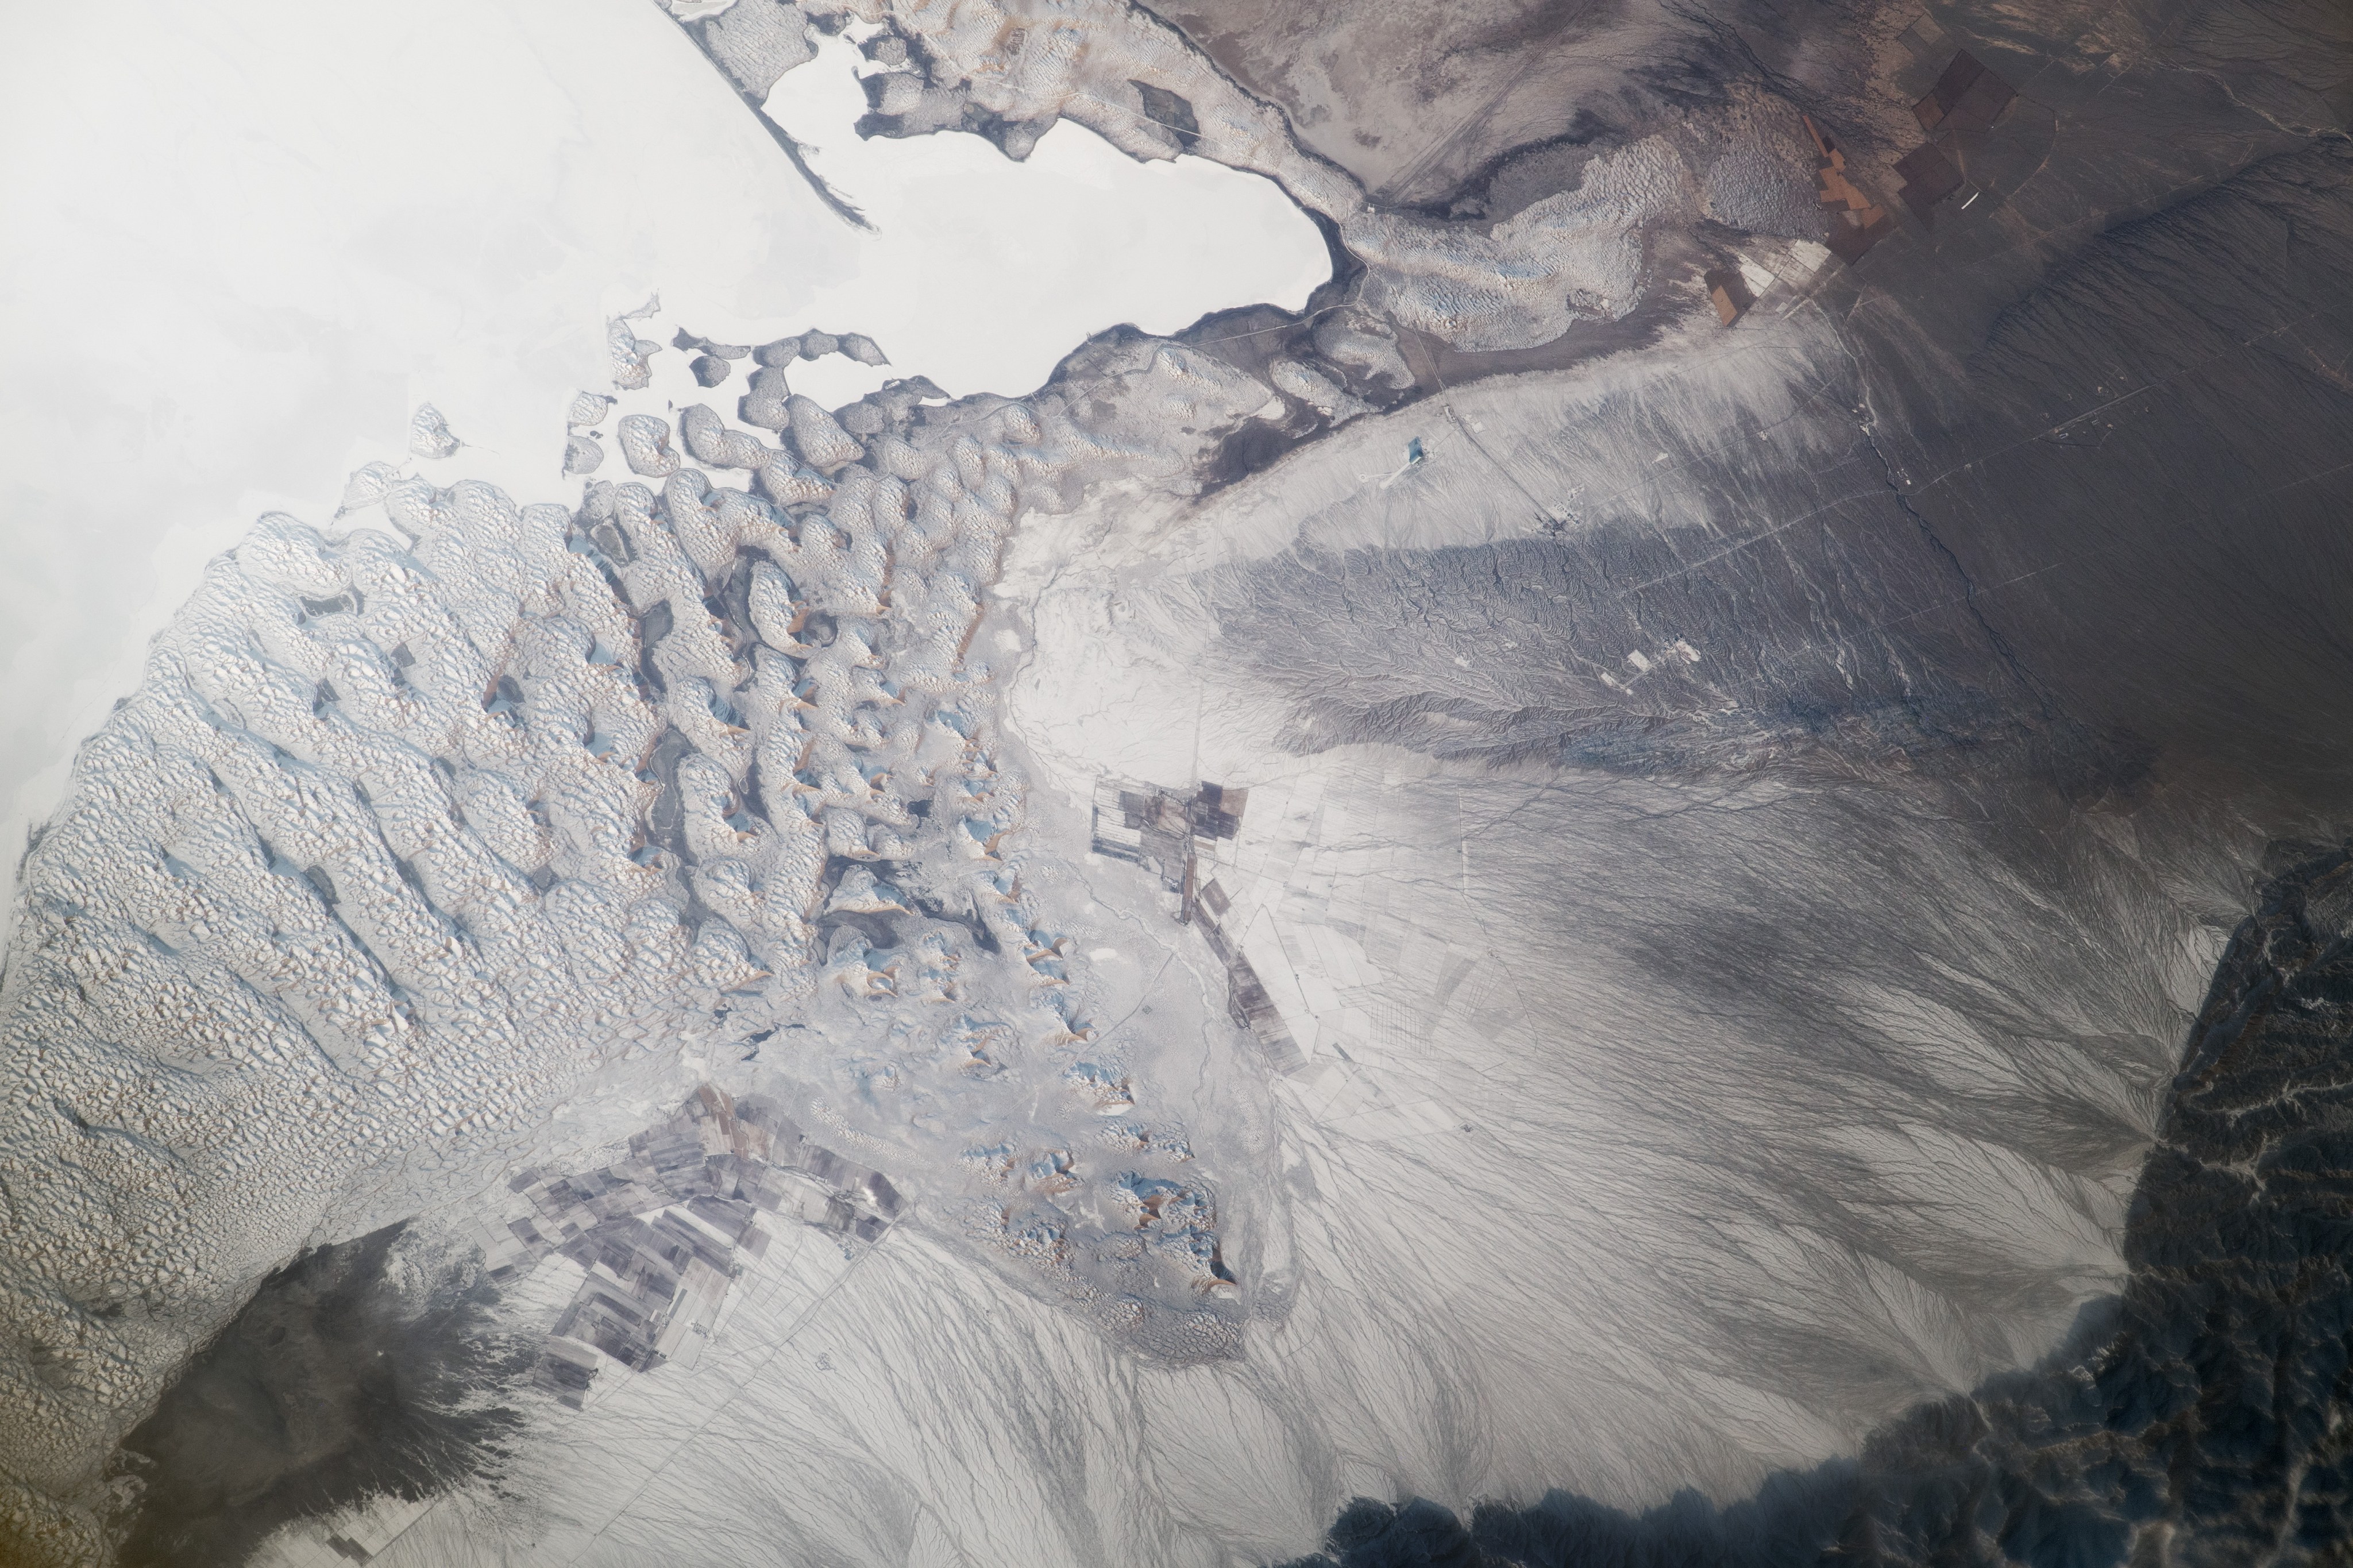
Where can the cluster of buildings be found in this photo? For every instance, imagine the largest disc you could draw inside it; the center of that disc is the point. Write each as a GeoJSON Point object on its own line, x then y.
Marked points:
{"type": "Point", "coordinates": [664, 1233]}
{"type": "Point", "coordinates": [1165, 833]}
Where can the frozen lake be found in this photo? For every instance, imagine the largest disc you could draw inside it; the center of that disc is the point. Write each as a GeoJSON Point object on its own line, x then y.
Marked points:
{"type": "Point", "coordinates": [243, 242]}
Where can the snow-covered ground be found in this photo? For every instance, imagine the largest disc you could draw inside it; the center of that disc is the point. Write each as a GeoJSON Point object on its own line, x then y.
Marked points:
{"type": "Point", "coordinates": [1656, 1067]}
{"type": "Point", "coordinates": [242, 242]}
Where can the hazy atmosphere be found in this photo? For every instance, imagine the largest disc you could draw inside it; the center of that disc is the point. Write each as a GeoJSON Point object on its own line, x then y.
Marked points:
{"type": "Point", "coordinates": [1160, 783]}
